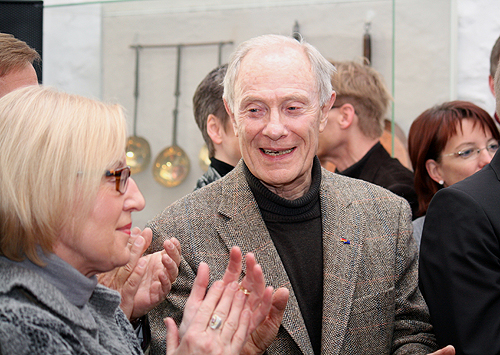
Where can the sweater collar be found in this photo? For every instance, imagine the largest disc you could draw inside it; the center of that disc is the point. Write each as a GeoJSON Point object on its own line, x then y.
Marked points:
{"type": "Point", "coordinates": [271, 202]}
{"type": "Point", "coordinates": [76, 287]}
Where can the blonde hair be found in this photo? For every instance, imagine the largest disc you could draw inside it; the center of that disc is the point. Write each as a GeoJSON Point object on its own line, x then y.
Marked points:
{"type": "Point", "coordinates": [364, 88]}
{"type": "Point", "coordinates": [55, 148]}
{"type": "Point", "coordinates": [15, 54]}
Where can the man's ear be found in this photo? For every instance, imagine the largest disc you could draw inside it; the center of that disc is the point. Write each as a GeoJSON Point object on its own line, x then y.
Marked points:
{"type": "Point", "coordinates": [214, 128]}
{"type": "Point", "coordinates": [434, 171]}
{"type": "Point", "coordinates": [491, 82]}
{"type": "Point", "coordinates": [325, 111]}
{"type": "Point", "coordinates": [231, 117]}
{"type": "Point", "coordinates": [347, 115]}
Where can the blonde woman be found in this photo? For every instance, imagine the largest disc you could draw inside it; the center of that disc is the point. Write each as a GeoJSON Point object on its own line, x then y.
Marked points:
{"type": "Point", "coordinates": [66, 199]}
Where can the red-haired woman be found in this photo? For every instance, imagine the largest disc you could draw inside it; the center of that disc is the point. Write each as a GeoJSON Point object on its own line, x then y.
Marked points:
{"type": "Point", "coordinates": [448, 143]}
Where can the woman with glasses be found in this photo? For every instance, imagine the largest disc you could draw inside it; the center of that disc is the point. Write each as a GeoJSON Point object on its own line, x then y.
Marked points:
{"type": "Point", "coordinates": [448, 143]}
{"type": "Point", "coordinates": [66, 199]}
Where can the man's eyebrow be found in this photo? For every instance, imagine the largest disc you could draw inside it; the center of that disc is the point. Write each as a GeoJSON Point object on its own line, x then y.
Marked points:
{"type": "Point", "coordinates": [250, 98]}
{"type": "Point", "coordinates": [290, 97]}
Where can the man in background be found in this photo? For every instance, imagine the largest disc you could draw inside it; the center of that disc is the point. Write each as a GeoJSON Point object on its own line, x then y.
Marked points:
{"type": "Point", "coordinates": [16, 64]}
{"type": "Point", "coordinates": [351, 139]}
{"type": "Point", "coordinates": [460, 257]}
{"type": "Point", "coordinates": [494, 58]}
{"type": "Point", "coordinates": [215, 126]}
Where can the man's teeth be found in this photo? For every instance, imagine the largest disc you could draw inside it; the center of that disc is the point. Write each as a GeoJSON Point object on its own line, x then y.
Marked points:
{"type": "Point", "coordinates": [275, 153]}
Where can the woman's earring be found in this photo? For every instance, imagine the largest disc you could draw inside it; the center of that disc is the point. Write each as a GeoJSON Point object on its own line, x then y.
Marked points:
{"type": "Point", "coordinates": [441, 182]}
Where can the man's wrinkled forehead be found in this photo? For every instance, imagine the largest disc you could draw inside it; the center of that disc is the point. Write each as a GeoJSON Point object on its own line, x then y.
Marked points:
{"type": "Point", "coordinates": [265, 65]}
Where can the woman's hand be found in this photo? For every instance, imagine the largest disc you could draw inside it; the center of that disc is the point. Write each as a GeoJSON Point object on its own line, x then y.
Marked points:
{"type": "Point", "coordinates": [266, 310]}
{"type": "Point", "coordinates": [144, 281]}
{"type": "Point", "coordinates": [220, 324]}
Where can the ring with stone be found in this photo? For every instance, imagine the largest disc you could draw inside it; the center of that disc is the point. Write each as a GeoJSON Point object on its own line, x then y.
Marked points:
{"type": "Point", "coordinates": [244, 290]}
{"type": "Point", "coordinates": [215, 322]}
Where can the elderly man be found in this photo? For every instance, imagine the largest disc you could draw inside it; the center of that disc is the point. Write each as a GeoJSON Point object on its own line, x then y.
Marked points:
{"type": "Point", "coordinates": [16, 64]}
{"type": "Point", "coordinates": [460, 257]}
{"type": "Point", "coordinates": [215, 126]}
{"type": "Point", "coordinates": [351, 139]}
{"type": "Point", "coordinates": [342, 247]}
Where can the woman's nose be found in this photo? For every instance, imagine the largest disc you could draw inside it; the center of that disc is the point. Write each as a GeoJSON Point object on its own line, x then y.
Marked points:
{"type": "Point", "coordinates": [134, 199]}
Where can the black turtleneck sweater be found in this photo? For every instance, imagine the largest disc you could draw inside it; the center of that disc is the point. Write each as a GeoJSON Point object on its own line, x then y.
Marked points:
{"type": "Point", "coordinates": [296, 230]}
{"type": "Point", "coordinates": [222, 167]}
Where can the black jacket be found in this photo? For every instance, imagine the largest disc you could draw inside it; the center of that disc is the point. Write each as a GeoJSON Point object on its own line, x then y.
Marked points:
{"type": "Point", "coordinates": [379, 168]}
{"type": "Point", "coordinates": [460, 262]}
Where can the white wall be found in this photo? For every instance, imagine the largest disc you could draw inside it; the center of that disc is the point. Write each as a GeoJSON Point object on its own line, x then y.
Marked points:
{"type": "Point", "coordinates": [441, 52]}
{"type": "Point", "coordinates": [72, 47]}
{"type": "Point", "coordinates": [478, 29]}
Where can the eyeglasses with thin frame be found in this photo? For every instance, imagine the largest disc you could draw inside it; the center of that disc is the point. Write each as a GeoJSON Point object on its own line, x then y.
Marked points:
{"type": "Point", "coordinates": [121, 175]}
{"type": "Point", "coordinates": [473, 152]}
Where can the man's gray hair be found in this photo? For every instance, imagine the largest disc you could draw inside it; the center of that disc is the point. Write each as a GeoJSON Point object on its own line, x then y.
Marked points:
{"type": "Point", "coordinates": [321, 67]}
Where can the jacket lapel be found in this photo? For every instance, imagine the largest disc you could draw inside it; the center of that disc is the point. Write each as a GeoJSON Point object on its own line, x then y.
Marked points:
{"type": "Point", "coordinates": [241, 224]}
{"type": "Point", "coordinates": [341, 254]}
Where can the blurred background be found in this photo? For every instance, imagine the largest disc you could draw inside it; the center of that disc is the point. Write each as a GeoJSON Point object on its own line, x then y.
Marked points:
{"type": "Point", "coordinates": [428, 51]}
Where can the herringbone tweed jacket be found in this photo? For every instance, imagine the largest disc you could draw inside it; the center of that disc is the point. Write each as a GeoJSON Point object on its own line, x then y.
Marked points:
{"type": "Point", "coordinates": [371, 301]}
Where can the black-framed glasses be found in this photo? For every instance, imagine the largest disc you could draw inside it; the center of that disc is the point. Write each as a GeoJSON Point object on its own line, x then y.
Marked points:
{"type": "Point", "coordinates": [473, 152]}
{"type": "Point", "coordinates": [121, 175]}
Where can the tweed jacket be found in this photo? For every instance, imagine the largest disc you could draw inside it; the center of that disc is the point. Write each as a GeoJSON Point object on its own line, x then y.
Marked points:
{"type": "Point", "coordinates": [371, 301]}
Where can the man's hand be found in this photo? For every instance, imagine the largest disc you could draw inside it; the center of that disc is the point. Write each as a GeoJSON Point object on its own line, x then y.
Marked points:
{"type": "Point", "coordinates": [144, 281]}
{"type": "Point", "coordinates": [264, 335]}
{"type": "Point", "coordinates": [447, 350]}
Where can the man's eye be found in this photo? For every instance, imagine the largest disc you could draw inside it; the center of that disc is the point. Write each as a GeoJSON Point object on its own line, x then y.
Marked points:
{"type": "Point", "coordinates": [466, 153]}
{"type": "Point", "coordinates": [253, 110]}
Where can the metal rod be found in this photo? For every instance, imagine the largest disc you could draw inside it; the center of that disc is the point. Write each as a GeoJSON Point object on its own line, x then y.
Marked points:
{"type": "Point", "coordinates": [219, 59]}
{"type": "Point", "coordinates": [136, 88]}
{"type": "Point", "coordinates": [296, 31]}
{"type": "Point", "coordinates": [180, 44]}
{"type": "Point", "coordinates": [177, 93]}
{"type": "Point", "coordinates": [393, 89]}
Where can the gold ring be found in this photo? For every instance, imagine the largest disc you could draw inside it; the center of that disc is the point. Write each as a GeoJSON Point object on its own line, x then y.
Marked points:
{"type": "Point", "coordinates": [244, 290]}
{"type": "Point", "coordinates": [215, 322]}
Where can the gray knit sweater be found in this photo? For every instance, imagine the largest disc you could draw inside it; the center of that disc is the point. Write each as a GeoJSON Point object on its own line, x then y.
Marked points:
{"type": "Point", "coordinates": [36, 318]}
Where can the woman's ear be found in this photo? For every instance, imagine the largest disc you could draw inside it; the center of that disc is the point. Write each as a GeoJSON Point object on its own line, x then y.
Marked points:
{"type": "Point", "coordinates": [434, 171]}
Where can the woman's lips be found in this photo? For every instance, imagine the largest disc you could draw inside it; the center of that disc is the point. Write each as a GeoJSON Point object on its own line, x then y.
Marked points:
{"type": "Point", "coordinates": [126, 229]}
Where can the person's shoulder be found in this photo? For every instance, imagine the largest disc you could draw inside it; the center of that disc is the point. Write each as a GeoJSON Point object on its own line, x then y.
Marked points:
{"type": "Point", "coordinates": [478, 183]}
{"type": "Point", "coordinates": [207, 178]}
{"type": "Point", "coordinates": [28, 329]}
{"type": "Point", "coordinates": [394, 172]}
{"type": "Point", "coordinates": [357, 188]}
{"type": "Point", "coordinates": [27, 326]}
{"type": "Point", "coordinates": [203, 199]}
